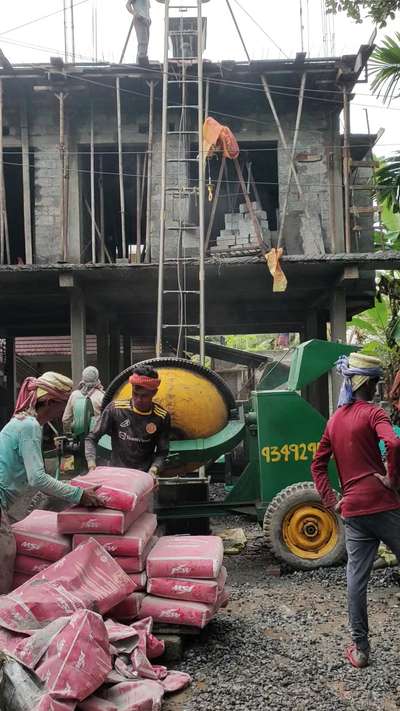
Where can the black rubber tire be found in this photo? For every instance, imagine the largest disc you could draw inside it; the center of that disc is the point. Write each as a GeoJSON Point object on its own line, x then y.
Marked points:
{"type": "Point", "coordinates": [171, 363]}
{"type": "Point", "coordinates": [280, 506]}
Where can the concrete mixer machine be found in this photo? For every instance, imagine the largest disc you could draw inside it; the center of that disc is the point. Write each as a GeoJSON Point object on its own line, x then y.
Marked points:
{"type": "Point", "coordinates": [280, 432]}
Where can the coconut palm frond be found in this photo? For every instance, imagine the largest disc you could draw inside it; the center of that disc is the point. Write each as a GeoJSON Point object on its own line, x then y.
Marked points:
{"type": "Point", "coordinates": [388, 182]}
{"type": "Point", "coordinates": [385, 66]}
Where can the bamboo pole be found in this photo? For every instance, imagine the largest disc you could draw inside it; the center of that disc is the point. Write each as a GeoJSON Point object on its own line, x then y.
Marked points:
{"type": "Point", "coordinates": [92, 195]}
{"type": "Point", "coordinates": [346, 169]}
{"type": "Point", "coordinates": [64, 178]}
{"type": "Point", "coordinates": [292, 154]}
{"type": "Point", "coordinates": [138, 208]}
{"type": "Point", "coordinates": [26, 181]}
{"type": "Point", "coordinates": [215, 203]}
{"type": "Point", "coordinates": [102, 215]}
{"type": "Point", "coordinates": [2, 200]}
{"type": "Point", "coordinates": [121, 169]}
{"type": "Point", "coordinates": [149, 171]}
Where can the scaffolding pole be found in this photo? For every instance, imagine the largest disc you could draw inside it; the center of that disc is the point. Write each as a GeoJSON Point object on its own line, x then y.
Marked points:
{"type": "Point", "coordinates": [2, 200]}
{"type": "Point", "coordinates": [163, 186]}
{"type": "Point", "coordinates": [26, 182]}
{"type": "Point", "coordinates": [346, 169]}
{"type": "Point", "coordinates": [202, 183]}
{"type": "Point", "coordinates": [92, 196]}
{"type": "Point", "coordinates": [102, 214]}
{"type": "Point", "coordinates": [149, 170]}
{"type": "Point", "coordinates": [72, 30]}
{"type": "Point", "coordinates": [64, 178]}
{"type": "Point", "coordinates": [138, 208]}
{"type": "Point", "coordinates": [121, 169]}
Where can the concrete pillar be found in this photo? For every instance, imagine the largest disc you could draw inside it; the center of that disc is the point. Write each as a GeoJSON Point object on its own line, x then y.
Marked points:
{"type": "Point", "coordinates": [103, 349]}
{"type": "Point", "coordinates": [338, 319]}
{"type": "Point", "coordinates": [10, 372]}
{"type": "Point", "coordinates": [115, 351]}
{"type": "Point", "coordinates": [127, 350]}
{"type": "Point", "coordinates": [78, 334]}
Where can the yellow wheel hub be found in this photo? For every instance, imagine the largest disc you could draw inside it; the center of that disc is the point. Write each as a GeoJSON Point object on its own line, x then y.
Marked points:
{"type": "Point", "coordinates": [310, 531]}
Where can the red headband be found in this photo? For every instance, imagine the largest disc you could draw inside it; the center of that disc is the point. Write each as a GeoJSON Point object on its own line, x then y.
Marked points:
{"type": "Point", "coordinates": [144, 381]}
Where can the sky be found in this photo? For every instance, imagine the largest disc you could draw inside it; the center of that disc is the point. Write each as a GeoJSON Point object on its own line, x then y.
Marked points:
{"type": "Point", "coordinates": [281, 35]}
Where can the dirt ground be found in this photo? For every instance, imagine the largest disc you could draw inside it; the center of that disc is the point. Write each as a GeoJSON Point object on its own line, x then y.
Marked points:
{"type": "Point", "coordinates": [280, 643]}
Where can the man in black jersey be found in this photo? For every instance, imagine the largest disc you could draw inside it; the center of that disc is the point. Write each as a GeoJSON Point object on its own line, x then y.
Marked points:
{"type": "Point", "coordinates": [139, 428]}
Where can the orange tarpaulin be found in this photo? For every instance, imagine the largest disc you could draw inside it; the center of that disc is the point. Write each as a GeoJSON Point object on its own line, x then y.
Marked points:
{"type": "Point", "coordinates": [217, 138]}
{"type": "Point", "coordinates": [273, 257]}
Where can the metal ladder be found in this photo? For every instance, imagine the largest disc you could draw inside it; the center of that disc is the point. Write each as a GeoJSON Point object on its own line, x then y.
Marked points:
{"type": "Point", "coordinates": [174, 319]}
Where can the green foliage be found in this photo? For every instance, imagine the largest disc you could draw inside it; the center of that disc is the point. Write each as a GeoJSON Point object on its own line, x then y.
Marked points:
{"type": "Point", "coordinates": [385, 66]}
{"type": "Point", "coordinates": [388, 182]}
{"type": "Point", "coordinates": [378, 10]}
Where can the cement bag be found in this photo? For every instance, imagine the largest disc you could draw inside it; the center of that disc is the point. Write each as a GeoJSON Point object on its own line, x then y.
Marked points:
{"type": "Point", "coordinates": [176, 612]}
{"type": "Point", "coordinates": [188, 589]}
{"type": "Point", "coordinates": [186, 557]}
{"type": "Point", "coordinates": [37, 536]}
{"type": "Point", "coordinates": [136, 564]}
{"type": "Point", "coordinates": [78, 659]}
{"type": "Point", "coordinates": [19, 579]}
{"type": "Point", "coordinates": [120, 489]}
{"type": "Point", "coordinates": [141, 695]}
{"type": "Point", "coordinates": [140, 580]}
{"type": "Point", "coordinates": [132, 543]}
{"type": "Point", "coordinates": [129, 608]}
{"type": "Point", "coordinates": [78, 519]}
{"type": "Point", "coordinates": [86, 578]}
{"type": "Point", "coordinates": [30, 566]}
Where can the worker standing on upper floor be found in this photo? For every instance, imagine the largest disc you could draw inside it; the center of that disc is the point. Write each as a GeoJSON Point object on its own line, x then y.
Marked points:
{"type": "Point", "coordinates": [40, 400]}
{"type": "Point", "coordinates": [370, 503]}
{"type": "Point", "coordinates": [139, 428]}
{"type": "Point", "coordinates": [89, 387]}
{"type": "Point", "coordinates": [140, 9]}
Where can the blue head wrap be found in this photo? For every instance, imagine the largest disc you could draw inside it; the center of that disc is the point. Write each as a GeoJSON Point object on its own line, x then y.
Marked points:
{"type": "Point", "coordinates": [346, 395]}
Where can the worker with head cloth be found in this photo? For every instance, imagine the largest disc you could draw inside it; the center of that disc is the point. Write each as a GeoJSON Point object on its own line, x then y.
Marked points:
{"type": "Point", "coordinates": [370, 503]}
{"type": "Point", "coordinates": [139, 428]}
{"type": "Point", "coordinates": [40, 400]}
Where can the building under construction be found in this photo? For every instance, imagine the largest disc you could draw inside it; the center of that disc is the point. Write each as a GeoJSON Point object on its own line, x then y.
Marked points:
{"type": "Point", "coordinates": [94, 155]}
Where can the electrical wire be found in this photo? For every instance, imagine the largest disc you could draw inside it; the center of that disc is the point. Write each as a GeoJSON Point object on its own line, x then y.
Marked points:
{"type": "Point", "coordinates": [39, 19]}
{"type": "Point", "coordinates": [261, 28]}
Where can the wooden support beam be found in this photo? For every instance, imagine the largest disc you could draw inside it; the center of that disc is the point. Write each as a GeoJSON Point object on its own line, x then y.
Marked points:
{"type": "Point", "coordinates": [121, 170]}
{"type": "Point", "coordinates": [149, 170]}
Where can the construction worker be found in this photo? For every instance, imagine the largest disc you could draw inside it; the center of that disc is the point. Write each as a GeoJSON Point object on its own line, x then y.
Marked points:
{"type": "Point", "coordinates": [139, 428]}
{"type": "Point", "coordinates": [40, 400]}
{"type": "Point", "coordinates": [90, 387]}
{"type": "Point", "coordinates": [370, 504]}
{"type": "Point", "coordinates": [140, 9]}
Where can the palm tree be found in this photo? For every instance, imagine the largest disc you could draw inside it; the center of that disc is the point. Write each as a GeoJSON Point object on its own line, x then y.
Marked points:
{"type": "Point", "coordinates": [385, 66]}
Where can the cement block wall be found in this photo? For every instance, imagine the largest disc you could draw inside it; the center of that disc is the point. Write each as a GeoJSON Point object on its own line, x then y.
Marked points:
{"type": "Point", "coordinates": [314, 221]}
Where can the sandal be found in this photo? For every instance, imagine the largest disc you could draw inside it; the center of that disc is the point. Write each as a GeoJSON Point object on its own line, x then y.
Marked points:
{"type": "Point", "coordinates": [357, 657]}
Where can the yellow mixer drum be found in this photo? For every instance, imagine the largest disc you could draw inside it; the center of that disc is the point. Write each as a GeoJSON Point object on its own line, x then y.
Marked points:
{"type": "Point", "coordinates": [197, 399]}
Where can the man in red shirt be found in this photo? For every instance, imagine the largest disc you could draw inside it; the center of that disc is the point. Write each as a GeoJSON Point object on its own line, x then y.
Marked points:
{"type": "Point", "coordinates": [370, 503]}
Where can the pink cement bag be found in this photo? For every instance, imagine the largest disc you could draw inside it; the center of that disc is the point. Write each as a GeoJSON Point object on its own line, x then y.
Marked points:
{"type": "Point", "coordinates": [37, 535]}
{"type": "Point", "coordinates": [132, 543]}
{"type": "Point", "coordinates": [186, 557]}
{"type": "Point", "coordinates": [188, 589]}
{"type": "Point", "coordinates": [119, 488]}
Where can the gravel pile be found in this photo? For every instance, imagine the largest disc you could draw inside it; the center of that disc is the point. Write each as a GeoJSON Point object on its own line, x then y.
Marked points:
{"type": "Point", "coordinates": [280, 644]}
